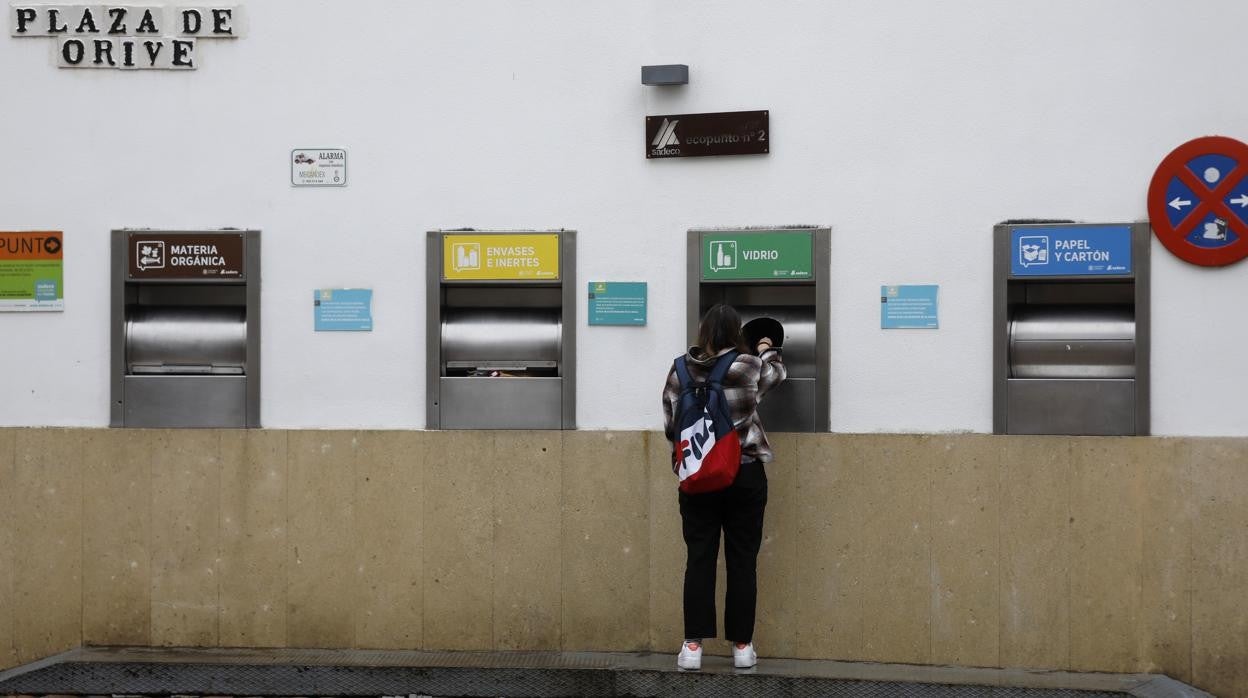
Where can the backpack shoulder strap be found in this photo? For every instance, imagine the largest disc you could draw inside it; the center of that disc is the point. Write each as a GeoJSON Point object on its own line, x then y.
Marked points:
{"type": "Point", "coordinates": [721, 368]}
{"type": "Point", "coordinates": [682, 371]}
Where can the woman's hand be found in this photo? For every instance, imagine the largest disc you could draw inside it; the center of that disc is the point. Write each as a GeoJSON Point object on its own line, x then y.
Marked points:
{"type": "Point", "coordinates": [763, 345]}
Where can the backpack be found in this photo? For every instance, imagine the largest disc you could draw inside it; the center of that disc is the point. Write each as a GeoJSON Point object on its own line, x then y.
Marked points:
{"type": "Point", "coordinates": [707, 452]}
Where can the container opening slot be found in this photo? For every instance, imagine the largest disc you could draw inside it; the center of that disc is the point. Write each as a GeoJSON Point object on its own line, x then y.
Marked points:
{"type": "Point", "coordinates": [500, 370]}
{"type": "Point", "coordinates": [185, 370]}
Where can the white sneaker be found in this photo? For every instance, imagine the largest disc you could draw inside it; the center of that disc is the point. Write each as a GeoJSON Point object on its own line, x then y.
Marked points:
{"type": "Point", "coordinates": [743, 655]}
{"type": "Point", "coordinates": [690, 658]}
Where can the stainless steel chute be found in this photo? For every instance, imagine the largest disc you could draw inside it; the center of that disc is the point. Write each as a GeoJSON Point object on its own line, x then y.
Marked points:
{"type": "Point", "coordinates": [505, 339]}
{"type": "Point", "coordinates": [792, 289]}
{"type": "Point", "coordinates": [1070, 337]}
{"type": "Point", "coordinates": [185, 329]}
{"type": "Point", "coordinates": [799, 335]}
{"type": "Point", "coordinates": [186, 340]}
{"type": "Point", "coordinates": [1072, 342]}
{"type": "Point", "coordinates": [500, 338]}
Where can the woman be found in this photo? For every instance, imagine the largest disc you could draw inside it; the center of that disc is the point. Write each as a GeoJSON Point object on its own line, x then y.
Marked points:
{"type": "Point", "coordinates": [737, 510]}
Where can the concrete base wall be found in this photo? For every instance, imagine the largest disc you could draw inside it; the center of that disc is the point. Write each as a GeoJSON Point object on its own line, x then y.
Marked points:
{"type": "Point", "coordinates": [1101, 554]}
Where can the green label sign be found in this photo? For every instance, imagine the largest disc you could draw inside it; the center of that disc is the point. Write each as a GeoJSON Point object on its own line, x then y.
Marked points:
{"type": "Point", "coordinates": [761, 255]}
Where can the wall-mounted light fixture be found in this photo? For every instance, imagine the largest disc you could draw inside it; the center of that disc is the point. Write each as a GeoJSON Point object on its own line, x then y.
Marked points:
{"type": "Point", "coordinates": [676, 74]}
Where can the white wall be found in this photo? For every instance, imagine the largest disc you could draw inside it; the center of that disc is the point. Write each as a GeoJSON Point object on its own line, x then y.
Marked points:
{"type": "Point", "coordinates": [908, 126]}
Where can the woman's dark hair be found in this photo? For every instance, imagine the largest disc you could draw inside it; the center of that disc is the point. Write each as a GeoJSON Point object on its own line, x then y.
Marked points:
{"type": "Point", "coordinates": [721, 329]}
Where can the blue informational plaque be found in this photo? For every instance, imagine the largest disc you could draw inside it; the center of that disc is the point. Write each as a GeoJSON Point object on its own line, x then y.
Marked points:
{"type": "Point", "coordinates": [1071, 250]}
{"type": "Point", "coordinates": [909, 307]}
{"type": "Point", "coordinates": [343, 309]}
{"type": "Point", "coordinates": [617, 303]}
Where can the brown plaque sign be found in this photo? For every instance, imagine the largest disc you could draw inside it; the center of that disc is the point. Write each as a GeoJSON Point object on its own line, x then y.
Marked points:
{"type": "Point", "coordinates": [720, 133]}
{"type": "Point", "coordinates": [159, 255]}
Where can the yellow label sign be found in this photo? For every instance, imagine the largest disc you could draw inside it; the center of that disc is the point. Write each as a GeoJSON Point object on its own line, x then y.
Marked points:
{"type": "Point", "coordinates": [530, 257]}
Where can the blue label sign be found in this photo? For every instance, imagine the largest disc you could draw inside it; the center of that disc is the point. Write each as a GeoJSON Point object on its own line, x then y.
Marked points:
{"type": "Point", "coordinates": [343, 309]}
{"type": "Point", "coordinates": [909, 307]}
{"type": "Point", "coordinates": [45, 290]}
{"type": "Point", "coordinates": [617, 303]}
{"type": "Point", "coordinates": [1072, 250]}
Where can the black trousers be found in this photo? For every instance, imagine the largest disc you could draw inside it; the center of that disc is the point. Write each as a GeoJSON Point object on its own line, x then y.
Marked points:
{"type": "Point", "coordinates": [738, 512]}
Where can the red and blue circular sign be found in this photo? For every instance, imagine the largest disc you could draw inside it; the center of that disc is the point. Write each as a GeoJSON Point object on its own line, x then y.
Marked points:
{"type": "Point", "coordinates": [1198, 201]}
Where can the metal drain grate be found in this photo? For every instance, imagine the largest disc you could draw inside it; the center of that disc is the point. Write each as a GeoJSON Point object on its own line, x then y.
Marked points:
{"type": "Point", "coordinates": [94, 678]}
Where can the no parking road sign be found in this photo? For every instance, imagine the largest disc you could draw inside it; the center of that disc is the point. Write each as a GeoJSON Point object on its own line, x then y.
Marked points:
{"type": "Point", "coordinates": [1198, 201]}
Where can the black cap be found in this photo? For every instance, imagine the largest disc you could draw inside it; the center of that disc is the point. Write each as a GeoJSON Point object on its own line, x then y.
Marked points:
{"type": "Point", "coordinates": [756, 329]}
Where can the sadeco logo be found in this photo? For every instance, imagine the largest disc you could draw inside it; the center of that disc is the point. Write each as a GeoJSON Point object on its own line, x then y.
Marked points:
{"type": "Point", "coordinates": [666, 135]}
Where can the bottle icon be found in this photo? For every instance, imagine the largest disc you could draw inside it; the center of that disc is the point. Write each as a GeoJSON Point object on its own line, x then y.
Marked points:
{"type": "Point", "coordinates": [467, 256]}
{"type": "Point", "coordinates": [723, 255]}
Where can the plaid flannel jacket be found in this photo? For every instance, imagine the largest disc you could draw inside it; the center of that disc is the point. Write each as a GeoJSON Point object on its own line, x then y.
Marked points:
{"type": "Point", "coordinates": [748, 380]}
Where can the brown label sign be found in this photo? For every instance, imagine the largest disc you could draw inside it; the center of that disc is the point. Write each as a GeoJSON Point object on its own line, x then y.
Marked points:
{"type": "Point", "coordinates": [182, 256]}
{"type": "Point", "coordinates": [719, 133]}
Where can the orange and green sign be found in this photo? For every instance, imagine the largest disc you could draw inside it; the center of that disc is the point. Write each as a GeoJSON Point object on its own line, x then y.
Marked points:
{"type": "Point", "coordinates": [31, 271]}
{"type": "Point", "coordinates": [500, 257]}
